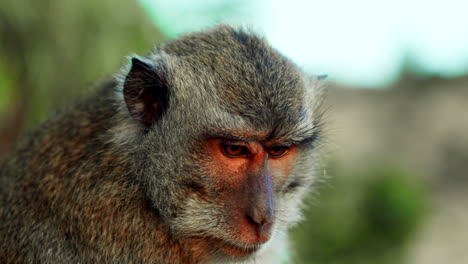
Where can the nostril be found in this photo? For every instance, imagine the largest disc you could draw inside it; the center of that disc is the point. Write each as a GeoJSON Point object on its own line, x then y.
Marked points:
{"type": "Point", "coordinates": [255, 218]}
{"type": "Point", "coordinates": [260, 218]}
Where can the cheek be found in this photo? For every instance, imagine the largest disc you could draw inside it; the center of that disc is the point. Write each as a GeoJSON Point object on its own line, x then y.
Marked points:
{"type": "Point", "coordinates": [282, 167]}
{"type": "Point", "coordinates": [228, 177]}
{"type": "Point", "coordinates": [224, 171]}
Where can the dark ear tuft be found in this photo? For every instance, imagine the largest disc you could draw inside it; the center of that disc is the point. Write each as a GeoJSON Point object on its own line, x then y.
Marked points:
{"type": "Point", "coordinates": [146, 92]}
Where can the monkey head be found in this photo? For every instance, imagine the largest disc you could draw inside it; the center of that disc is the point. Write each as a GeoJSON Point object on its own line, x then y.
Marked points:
{"type": "Point", "coordinates": [223, 132]}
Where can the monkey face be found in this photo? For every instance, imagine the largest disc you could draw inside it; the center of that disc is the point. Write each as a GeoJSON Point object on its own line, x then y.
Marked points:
{"type": "Point", "coordinates": [244, 175]}
{"type": "Point", "coordinates": [230, 131]}
{"type": "Point", "coordinates": [240, 190]}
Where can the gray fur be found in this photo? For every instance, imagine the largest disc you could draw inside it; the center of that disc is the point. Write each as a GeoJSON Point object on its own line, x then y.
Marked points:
{"type": "Point", "coordinates": [81, 187]}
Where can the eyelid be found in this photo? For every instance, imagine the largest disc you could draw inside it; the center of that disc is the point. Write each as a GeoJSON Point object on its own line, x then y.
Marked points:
{"type": "Point", "coordinates": [233, 142]}
{"type": "Point", "coordinates": [283, 144]}
{"type": "Point", "coordinates": [245, 152]}
{"type": "Point", "coordinates": [284, 151]}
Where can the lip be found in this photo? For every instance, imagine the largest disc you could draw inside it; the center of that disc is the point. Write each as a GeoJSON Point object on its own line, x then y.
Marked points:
{"type": "Point", "coordinates": [234, 249]}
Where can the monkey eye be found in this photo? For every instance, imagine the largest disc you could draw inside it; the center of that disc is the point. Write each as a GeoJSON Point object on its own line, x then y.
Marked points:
{"type": "Point", "coordinates": [235, 150]}
{"type": "Point", "coordinates": [278, 151]}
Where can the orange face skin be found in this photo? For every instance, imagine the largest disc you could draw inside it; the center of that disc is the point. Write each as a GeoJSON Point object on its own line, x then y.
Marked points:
{"type": "Point", "coordinates": [246, 186]}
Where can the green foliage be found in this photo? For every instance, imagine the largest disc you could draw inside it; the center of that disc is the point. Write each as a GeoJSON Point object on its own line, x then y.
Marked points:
{"type": "Point", "coordinates": [6, 85]}
{"type": "Point", "coordinates": [393, 206]}
{"type": "Point", "coordinates": [361, 218]}
{"type": "Point", "coordinates": [55, 49]}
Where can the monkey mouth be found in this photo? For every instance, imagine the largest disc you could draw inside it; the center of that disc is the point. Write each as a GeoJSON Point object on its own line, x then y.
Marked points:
{"type": "Point", "coordinates": [235, 250]}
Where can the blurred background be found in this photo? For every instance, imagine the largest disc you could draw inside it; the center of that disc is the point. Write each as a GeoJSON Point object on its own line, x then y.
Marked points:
{"type": "Point", "coordinates": [396, 181]}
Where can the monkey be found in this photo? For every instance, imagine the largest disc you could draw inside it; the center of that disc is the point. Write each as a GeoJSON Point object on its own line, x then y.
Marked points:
{"type": "Point", "coordinates": [202, 151]}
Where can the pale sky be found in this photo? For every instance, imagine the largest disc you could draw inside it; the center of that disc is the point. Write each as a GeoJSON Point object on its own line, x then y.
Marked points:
{"type": "Point", "coordinates": [360, 42]}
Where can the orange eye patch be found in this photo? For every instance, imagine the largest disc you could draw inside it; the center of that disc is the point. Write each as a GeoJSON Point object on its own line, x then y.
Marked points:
{"type": "Point", "coordinates": [278, 151]}
{"type": "Point", "coordinates": [235, 150]}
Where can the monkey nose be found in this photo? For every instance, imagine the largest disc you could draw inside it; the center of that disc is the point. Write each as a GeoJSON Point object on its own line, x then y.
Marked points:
{"type": "Point", "coordinates": [262, 219]}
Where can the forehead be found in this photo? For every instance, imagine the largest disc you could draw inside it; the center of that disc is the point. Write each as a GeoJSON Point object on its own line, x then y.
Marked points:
{"type": "Point", "coordinates": [269, 93]}
{"type": "Point", "coordinates": [246, 78]}
{"type": "Point", "coordinates": [293, 129]}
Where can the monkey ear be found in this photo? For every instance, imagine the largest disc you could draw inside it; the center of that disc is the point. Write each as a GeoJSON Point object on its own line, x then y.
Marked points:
{"type": "Point", "coordinates": [146, 92]}
{"type": "Point", "coordinates": [322, 77]}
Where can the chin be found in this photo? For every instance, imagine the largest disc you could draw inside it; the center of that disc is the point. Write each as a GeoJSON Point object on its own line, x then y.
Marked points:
{"type": "Point", "coordinates": [235, 251]}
